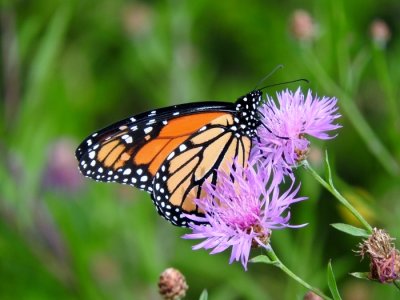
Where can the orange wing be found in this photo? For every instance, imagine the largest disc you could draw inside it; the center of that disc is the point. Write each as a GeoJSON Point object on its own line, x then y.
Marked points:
{"type": "Point", "coordinates": [133, 154]}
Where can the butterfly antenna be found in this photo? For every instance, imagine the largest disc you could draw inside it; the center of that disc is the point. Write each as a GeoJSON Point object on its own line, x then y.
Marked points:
{"type": "Point", "coordinates": [270, 131]}
{"type": "Point", "coordinates": [286, 82]}
{"type": "Point", "coordinates": [278, 67]}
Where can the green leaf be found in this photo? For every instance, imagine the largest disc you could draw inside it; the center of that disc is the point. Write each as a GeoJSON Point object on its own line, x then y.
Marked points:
{"type": "Point", "coordinates": [349, 229]}
{"type": "Point", "coordinates": [332, 283]}
{"type": "Point", "coordinates": [261, 259]}
{"type": "Point", "coordinates": [361, 275]}
{"type": "Point", "coordinates": [204, 295]}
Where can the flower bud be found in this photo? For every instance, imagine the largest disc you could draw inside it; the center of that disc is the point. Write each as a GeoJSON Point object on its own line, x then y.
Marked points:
{"type": "Point", "coordinates": [380, 32]}
{"type": "Point", "coordinates": [137, 18]}
{"type": "Point", "coordinates": [311, 296]}
{"type": "Point", "coordinates": [172, 285]}
{"type": "Point", "coordinates": [302, 25]}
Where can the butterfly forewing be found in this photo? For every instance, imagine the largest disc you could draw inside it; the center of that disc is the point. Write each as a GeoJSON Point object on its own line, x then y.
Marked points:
{"type": "Point", "coordinates": [132, 150]}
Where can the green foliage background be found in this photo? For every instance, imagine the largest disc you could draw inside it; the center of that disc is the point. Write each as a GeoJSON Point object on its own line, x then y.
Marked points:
{"type": "Point", "coordinates": [72, 67]}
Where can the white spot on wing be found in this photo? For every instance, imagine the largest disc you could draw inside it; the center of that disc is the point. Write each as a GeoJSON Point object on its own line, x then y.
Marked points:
{"type": "Point", "coordinates": [171, 155]}
{"type": "Point", "coordinates": [127, 172]}
{"type": "Point", "coordinates": [92, 154]}
{"type": "Point", "coordinates": [148, 129]}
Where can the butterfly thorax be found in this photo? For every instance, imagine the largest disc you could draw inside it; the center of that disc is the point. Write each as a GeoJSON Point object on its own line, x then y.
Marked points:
{"type": "Point", "coordinates": [247, 118]}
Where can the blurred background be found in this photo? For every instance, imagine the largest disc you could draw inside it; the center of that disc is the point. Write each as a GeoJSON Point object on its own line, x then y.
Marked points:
{"type": "Point", "coordinates": [69, 68]}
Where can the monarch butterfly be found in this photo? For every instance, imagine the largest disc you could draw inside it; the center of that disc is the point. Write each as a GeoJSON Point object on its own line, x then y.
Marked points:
{"type": "Point", "coordinates": [170, 152]}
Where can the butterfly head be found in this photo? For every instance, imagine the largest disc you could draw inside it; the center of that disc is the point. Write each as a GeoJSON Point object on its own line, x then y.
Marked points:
{"type": "Point", "coordinates": [247, 117]}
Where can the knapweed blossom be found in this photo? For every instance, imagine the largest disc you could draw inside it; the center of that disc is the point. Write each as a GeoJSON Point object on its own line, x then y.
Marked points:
{"type": "Point", "coordinates": [282, 142]}
{"type": "Point", "coordinates": [241, 212]}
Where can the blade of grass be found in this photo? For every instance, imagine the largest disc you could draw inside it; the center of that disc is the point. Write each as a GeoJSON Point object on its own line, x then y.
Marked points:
{"type": "Point", "coordinates": [332, 283]}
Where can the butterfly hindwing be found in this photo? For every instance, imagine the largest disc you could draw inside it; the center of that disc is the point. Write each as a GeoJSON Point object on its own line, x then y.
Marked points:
{"type": "Point", "coordinates": [180, 178]}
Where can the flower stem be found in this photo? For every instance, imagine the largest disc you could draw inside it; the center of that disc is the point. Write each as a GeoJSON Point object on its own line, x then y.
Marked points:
{"type": "Point", "coordinates": [396, 284]}
{"type": "Point", "coordinates": [275, 261]}
{"type": "Point", "coordinates": [331, 188]}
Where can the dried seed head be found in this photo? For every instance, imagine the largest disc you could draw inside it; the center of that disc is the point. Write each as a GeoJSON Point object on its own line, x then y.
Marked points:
{"type": "Point", "coordinates": [172, 285]}
{"type": "Point", "coordinates": [385, 258]}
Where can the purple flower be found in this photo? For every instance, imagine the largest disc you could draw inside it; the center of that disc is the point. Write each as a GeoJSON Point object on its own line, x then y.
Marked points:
{"type": "Point", "coordinates": [282, 141]}
{"type": "Point", "coordinates": [61, 172]}
{"type": "Point", "coordinates": [241, 212]}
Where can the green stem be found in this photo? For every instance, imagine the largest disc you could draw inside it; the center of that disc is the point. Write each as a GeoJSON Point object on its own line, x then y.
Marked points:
{"type": "Point", "coordinates": [382, 70]}
{"type": "Point", "coordinates": [276, 262]}
{"type": "Point", "coordinates": [331, 188]}
{"type": "Point", "coordinates": [396, 285]}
